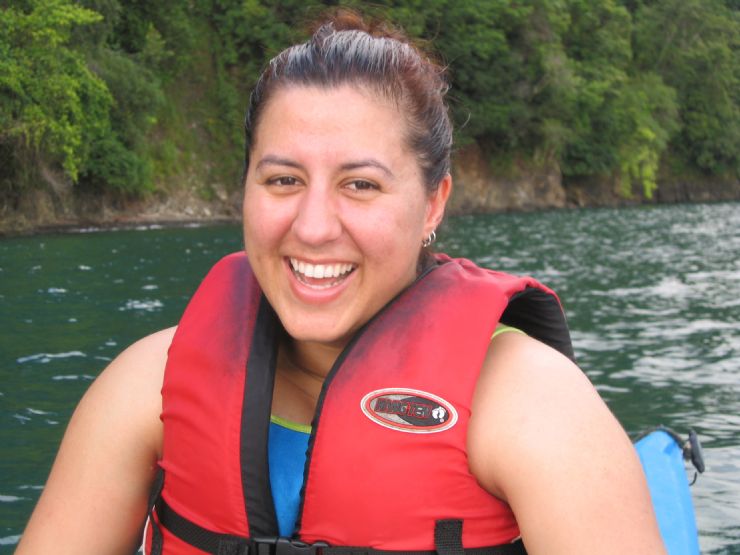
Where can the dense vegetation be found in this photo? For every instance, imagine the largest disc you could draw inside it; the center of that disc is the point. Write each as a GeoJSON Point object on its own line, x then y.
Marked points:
{"type": "Point", "coordinates": [131, 95]}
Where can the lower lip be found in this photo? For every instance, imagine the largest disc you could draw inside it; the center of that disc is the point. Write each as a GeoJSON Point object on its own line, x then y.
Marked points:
{"type": "Point", "coordinates": [314, 295]}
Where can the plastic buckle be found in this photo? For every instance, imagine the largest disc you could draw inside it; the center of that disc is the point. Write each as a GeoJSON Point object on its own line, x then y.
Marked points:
{"type": "Point", "coordinates": [285, 546]}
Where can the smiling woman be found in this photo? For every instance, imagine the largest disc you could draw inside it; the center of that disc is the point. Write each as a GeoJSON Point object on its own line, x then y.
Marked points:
{"type": "Point", "coordinates": [338, 388]}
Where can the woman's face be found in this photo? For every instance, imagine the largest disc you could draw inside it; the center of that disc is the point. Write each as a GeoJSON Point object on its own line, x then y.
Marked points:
{"type": "Point", "coordinates": [334, 209]}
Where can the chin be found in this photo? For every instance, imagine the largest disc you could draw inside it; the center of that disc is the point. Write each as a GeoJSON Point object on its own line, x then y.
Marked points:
{"type": "Point", "coordinates": [328, 335]}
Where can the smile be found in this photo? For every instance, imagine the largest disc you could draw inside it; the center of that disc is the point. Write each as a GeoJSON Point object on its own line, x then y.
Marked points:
{"type": "Point", "coordinates": [320, 276]}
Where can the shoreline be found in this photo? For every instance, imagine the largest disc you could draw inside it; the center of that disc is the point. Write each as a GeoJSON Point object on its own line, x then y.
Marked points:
{"type": "Point", "coordinates": [144, 223]}
{"type": "Point", "coordinates": [44, 210]}
{"type": "Point", "coordinates": [102, 227]}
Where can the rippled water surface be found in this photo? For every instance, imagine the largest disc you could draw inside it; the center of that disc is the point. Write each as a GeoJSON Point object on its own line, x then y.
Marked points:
{"type": "Point", "coordinates": [652, 295]}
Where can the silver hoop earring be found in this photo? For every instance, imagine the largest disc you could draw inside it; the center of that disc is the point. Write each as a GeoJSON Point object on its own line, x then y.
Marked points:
{"type": "Point", "coordinates": [429, 240]}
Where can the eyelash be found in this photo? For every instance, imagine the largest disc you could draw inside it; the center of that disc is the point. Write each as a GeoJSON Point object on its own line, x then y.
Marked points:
{"type": "Point", "coordinates": [279, 181]}
{"type": "Point", "coordinates": [366, 185]}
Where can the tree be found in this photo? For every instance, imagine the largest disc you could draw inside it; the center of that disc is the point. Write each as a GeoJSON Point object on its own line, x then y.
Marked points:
{"type": "Point", "coordinates": [51, 104]}
{"type": "Point", "coordinates": [694, 46]}
{"type": "Point", "coordinates": [623, 119]}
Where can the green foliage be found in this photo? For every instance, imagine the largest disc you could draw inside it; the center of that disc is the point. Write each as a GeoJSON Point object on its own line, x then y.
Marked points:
{"type": "Point", "coordinates": [622, 121]}
{"type": "Point", "coordinates": [113, 165]}
{"type": "Point", "coordinates": [50, 101]}
{"type": "Point", "coordinates": [648, 112]}
{"type": "Point", "coordinates": [125, 96]}
{"type": "Point", "coordinates": [120, 159]}
{"type": "Point", "coordinates": [693, 45]}
{"type": "Point", "coordinates": [599, 84]}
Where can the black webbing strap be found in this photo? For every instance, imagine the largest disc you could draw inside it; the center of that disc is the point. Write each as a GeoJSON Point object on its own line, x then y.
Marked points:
{"type": "Point", "coordinates": [154, 495]}
{"type": "Point", "coordinates": [197, 536]}
{"type": "Point", "coordinates": [447, 540]}
{"type": "Point", "coordinates": [448, 537]}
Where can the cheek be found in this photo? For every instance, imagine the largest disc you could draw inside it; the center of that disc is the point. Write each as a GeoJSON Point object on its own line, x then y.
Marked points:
{"type": "Point", "coordinates": [264, 222]}
{"type": "Point", "coordinates": [252, 226]}
{"type": "Point", "coordinates": [409, 216]}
{"type": "Point", "coordinates": [391, 233]}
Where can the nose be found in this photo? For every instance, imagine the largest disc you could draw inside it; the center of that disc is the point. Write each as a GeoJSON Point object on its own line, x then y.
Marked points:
{"type": "Point", "coordinates": [318, 219]}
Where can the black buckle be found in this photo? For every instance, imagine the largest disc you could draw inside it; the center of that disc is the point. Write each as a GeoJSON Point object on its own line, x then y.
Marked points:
{"type": "Point", "coordinates": [284, 546]}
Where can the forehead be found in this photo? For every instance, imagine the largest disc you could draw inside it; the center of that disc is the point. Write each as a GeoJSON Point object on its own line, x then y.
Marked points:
{"type": "Point", "coordinates": [314, 112]}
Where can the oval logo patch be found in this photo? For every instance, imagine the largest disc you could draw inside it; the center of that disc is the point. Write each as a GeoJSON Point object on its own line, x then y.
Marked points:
{"type": "Point", "coordinates": [409, 410]}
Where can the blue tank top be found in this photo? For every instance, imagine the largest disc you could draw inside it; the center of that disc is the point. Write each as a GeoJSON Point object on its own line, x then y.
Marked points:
{"type": "Point", "coordinates": [286, 453]}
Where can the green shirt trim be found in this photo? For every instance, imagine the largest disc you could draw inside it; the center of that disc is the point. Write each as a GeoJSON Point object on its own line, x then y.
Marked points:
{"type": "Point", "coordinates": [501, 328]}
{"type": "Point", "coordinates": [304, 428]}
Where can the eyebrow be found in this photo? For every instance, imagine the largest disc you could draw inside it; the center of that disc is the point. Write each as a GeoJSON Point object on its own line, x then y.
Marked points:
{"type": "Point", "coordinates": [274, 160]}
{"type": "Point", "coordinates": [271, 159]}
{"type": "Point", "coordinates": [367, 162]}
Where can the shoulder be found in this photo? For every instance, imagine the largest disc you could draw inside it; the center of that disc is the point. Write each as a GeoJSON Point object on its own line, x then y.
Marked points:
{"type": "Point", "coordinates": [130, 386]}
{"type": "Point", "coordinates": [541, 438]}
{"type": "Point", "coordinates": [532, 391]}
{"type": "Point", "coordinates": [144, 359]}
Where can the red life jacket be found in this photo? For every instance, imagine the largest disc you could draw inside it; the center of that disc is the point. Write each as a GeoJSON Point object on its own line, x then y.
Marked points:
{"type": "Point", "coordinates": [387, 467]}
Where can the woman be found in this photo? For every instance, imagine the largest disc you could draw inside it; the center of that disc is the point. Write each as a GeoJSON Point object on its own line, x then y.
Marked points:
{"type": "Point", "coordinates": [427, 433]}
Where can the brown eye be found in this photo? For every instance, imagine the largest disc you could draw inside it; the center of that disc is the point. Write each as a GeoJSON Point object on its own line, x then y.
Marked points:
{"type": "Point", "coordinates": [283, 180]}
{"type": "Point", "coordinates": [362, 185]}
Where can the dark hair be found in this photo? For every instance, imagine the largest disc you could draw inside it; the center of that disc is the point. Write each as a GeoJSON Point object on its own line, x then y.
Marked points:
{"type": "Point", "coordinates": [344, 49]}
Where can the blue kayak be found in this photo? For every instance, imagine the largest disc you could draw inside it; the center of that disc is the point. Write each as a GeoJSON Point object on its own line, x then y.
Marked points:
{"type": "Point", "coordinates": [662, 454]}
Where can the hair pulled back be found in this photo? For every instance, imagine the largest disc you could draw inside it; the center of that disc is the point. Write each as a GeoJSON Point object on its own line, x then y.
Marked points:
{"type": "Point", "coordinates": [344, 49]}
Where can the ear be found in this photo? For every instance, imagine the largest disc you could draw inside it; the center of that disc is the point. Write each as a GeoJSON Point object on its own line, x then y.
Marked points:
{"type": "Point", "coordinates": [436, 203]}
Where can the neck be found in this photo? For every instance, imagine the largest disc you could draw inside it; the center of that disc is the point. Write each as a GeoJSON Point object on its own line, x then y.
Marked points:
{"type": "Point", "coordinates": [302, 367]}
{"type": "Point", "coordinates": [314, 360]}
{"type": "Point", "coordinates": [301, 371]}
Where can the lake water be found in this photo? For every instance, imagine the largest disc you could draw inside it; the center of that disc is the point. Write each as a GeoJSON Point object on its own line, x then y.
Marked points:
{"type": "Point", "coordinates": [652, 296]}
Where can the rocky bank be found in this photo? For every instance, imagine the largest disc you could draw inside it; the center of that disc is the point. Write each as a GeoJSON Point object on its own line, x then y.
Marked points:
{"type": "Point", "coordinates": [55, 206]}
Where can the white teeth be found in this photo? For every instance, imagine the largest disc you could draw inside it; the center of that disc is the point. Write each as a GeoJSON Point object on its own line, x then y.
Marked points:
{"type": "Point", "coordinates": [320, 271]}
